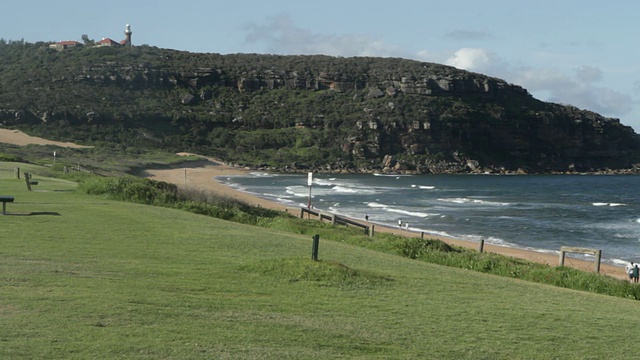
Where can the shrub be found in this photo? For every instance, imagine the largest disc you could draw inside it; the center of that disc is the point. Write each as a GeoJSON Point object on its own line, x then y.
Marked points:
{"type": "Point", "coordinates": [9, 158]}
{"type": "Point", "coordinates": [429, 250]}
{"type": "Point", "coordinates": [416, 248]}
{"type": "Point", "coordinates": [133, 189]}
{"type": "Point", "coordinates": [150, 192]}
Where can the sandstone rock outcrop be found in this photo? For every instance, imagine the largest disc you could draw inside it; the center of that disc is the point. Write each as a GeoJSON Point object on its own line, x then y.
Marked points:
{"type": "Point", "coordinates": [366, 114]}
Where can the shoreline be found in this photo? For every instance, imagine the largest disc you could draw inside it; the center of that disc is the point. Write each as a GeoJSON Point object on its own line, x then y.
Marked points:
{"type": "Point", "coordinates": [203, 175]}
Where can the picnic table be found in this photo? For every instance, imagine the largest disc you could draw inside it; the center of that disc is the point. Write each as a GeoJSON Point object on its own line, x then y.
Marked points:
{"type": "Point", "coordinates": [5, 200]}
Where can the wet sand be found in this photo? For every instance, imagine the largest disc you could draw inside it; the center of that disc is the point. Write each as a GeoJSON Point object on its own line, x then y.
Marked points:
{"type": "Point", "coordinates": [201, 175]}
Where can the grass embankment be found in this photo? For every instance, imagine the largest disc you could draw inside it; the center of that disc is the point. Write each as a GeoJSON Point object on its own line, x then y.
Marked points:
{"type": "Point", "coordinates": [434, 251]}
{"type": "Point", "coordinates": [104, 158]}
{"type": "Point", "coordinates": [87, 277]}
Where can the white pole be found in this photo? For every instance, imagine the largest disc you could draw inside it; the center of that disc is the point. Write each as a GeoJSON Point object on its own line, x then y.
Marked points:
{"type": "Point", "coordinates": [309, 182]}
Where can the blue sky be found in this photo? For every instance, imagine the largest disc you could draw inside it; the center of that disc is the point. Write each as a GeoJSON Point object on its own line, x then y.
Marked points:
{"type": "Point", "coordinates": [582, 53]}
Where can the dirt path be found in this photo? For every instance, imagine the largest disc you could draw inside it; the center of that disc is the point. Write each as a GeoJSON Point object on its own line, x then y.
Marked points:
{"type": "Point", "coordinates": [17, 137]}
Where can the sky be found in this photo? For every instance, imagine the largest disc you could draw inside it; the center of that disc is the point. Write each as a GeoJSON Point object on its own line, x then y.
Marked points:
{"type": "Point", "coordinates": [577, 52]}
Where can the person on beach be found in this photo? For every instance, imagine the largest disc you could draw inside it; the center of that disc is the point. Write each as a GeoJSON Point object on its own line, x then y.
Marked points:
{"type": "Point", "coordinates": [629, 270]}
{"type": "Point", "coordinates": [366, 217]}
{"type": "Point", "coordinates": [636, 273]}
{"type": "Point", "coordinates": [400, 223]}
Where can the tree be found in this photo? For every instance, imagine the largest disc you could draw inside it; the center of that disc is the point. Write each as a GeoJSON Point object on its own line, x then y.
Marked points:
{"type": "Point", "coordinates": [87, 41]}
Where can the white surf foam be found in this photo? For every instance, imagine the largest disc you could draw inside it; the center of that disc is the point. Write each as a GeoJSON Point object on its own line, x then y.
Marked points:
{"type": "Point", "coordinates": [378, 205]}
{"type": "Point", "coordinates": [323, 182]}
{"type": "Point", "coordinates": [298, 191]}
{"type": "Point", "coordinates": [607, 204]}
{"type": "Point", "coordinates": [391, 175]}
{"type": "Point", "coordinates": [344, 189]}
{"type": "Point", "coordinates": [409, 213]}
{"type": "Point", "coordinates": [427, 187]}
{"type": "Point", "coordinates": [262, 174]}
{"type": "Point", "coordinates": [473, 201]}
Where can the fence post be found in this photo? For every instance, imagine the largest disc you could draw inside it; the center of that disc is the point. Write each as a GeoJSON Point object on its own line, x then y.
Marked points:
{"type": "Point", "coordinates": [481, 247]}
{"type": "Point", "coordinates": [16, 172]}
{"type": "Point", "coordinates": [372, 230]}
{"type": "Point", "coordinates": [562, 257]}
{"type": "Point", "coordinates": [422, 235]}
{"type": "Point", "coordinates": [314, 247]}
{"type": "Point", "coordinates": [598, 258]}
{"type": "Point", "coordinates": [27, 178]}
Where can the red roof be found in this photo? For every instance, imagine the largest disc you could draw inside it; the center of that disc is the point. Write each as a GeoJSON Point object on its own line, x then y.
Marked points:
{"type": "Point", "coordinates": [107, 41]}
{"type": "Point", "coordinates": [68, 43]}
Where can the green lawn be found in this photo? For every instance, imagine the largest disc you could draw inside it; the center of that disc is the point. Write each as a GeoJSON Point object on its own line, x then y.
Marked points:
{"type": "Point", "coordinates": [84, 277]}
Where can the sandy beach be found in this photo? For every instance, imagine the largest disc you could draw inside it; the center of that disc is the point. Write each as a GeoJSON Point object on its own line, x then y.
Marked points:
{"type": "Point", "coordinates": [201, 175]}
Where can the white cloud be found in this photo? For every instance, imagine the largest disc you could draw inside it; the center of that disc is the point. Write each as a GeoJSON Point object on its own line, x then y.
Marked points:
{"type": "Point", "coordinates": [589, 74]}
{"type": "Point", "coordinates": [578, 90]}
{"type": "Point", "coordinates": [470, 59]}
{"type": "Point", "coordinates": [280, 36]}
{"type": "Point", "coordinates": [459, 34]}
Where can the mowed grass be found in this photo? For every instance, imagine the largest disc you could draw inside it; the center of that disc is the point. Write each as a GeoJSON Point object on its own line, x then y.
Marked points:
{"type": "Point", "coordinates": [84, 277]}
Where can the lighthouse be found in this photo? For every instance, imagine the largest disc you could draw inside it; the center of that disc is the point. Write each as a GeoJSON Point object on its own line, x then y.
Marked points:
{"type": "Point", "coordinates": [127, 34]}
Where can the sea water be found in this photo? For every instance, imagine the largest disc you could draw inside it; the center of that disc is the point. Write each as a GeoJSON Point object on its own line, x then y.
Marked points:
{"type": "Point", "coordinates": [534, 212]}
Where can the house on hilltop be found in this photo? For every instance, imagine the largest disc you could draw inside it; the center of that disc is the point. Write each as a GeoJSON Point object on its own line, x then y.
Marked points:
{"type": "Point", "coordinates": [110, 42]}
{"type": "Point", "coordinates": [107, 42]}
{"type": "Point", "coordinates": [62, 45]}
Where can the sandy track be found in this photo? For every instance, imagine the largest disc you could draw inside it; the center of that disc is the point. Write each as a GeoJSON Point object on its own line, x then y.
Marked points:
{"type": "Point", "coordinates": [17, 137]}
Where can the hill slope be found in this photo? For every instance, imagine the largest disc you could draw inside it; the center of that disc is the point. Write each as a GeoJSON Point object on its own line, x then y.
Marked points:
{"type": "Point", "coordinates": [87, 277]}
{"type": "Point", "coordinates": [301, 112]}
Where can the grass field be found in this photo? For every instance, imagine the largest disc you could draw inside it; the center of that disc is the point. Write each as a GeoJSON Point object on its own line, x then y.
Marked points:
{"type": "Point", "coordinates": [84, 277]}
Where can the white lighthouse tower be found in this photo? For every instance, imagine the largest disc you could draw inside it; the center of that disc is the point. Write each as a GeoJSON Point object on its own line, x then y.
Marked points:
{"type": "Point", "coordinates": [127, 34]}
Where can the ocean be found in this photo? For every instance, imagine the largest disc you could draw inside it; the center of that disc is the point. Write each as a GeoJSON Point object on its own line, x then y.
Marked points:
{"type": "Point", "coordinates": [533, 212]}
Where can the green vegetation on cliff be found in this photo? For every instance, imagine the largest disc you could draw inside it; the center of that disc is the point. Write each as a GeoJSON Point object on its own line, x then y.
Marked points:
{"type": "Point", "coordinates": [301, 112]}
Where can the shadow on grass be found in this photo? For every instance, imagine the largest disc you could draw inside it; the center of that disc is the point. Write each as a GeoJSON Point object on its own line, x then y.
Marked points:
{"type": "Point", "coordinates": [35, 213]}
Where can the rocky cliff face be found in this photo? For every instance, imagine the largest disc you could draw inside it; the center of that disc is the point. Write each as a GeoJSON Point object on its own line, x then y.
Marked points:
{"type": "Point", "coordinates": [377, 114]}
{"type": "Point", "coordinates": [142, 76]}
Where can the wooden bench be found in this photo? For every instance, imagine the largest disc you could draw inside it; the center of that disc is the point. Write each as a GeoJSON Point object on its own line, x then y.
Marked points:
{"type": "Point", "coordinates": [5, 200]}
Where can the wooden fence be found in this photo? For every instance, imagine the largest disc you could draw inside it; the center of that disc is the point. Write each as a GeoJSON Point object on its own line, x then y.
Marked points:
{"type": "Point", "coordinates": [596, 253]}
{"type": "Point", "coordinates": [336, 220]}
